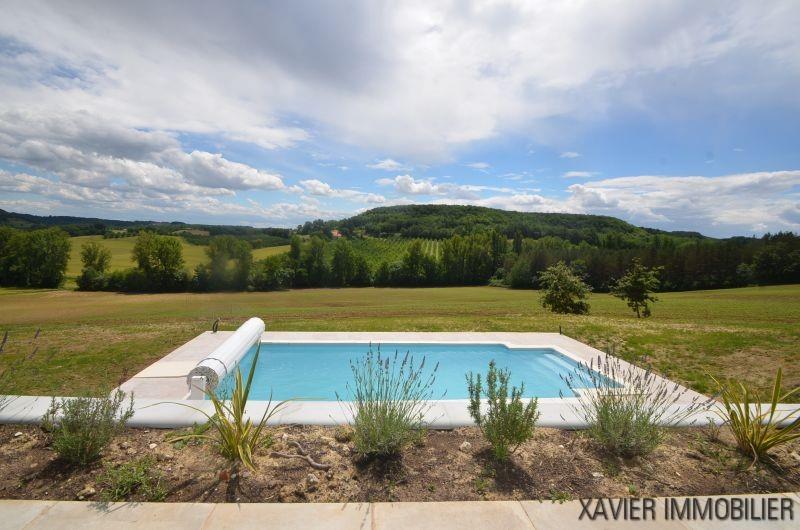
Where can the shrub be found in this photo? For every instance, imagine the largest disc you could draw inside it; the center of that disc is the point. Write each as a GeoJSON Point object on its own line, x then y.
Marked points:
{"type": "Point", "coordinates": [507, 422]}
{"type": "Point", "coordinates": [390, 397]}
{"type": "Point", "coordinates": [138, 476]}
{"type": "Point", "coordinates": [758, 430]}
{"type": "Point", "coordinates": [236, 438]}
{"type": "Point", "coordinates": [563, 290]}
{"type": "Point", "coordinates": [91, 280]}
{"type": "Point", "coordinates": [627, 408]}
{"type": "Point", "coordinates": [82, 427]}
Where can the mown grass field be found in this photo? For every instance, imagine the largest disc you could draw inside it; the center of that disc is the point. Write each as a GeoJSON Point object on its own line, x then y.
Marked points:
{"type": "Point", "coordinates": [88, 341]}
{"type": "Point", "coordinates": [121, 253]}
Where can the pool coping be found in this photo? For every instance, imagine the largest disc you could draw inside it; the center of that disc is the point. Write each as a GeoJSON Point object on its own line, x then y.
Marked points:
{"type": "Point", "coordinates": [165, 380]}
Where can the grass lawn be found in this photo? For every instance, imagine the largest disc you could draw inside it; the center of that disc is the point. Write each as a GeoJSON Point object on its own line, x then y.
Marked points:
{"type": "Point", "coordinates": [121, 249]}
{"type": "Point", "coordinates": [89, 341]}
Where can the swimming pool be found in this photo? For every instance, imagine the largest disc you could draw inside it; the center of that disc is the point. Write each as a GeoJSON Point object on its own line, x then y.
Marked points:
{"type": "Point", "coordinates": [317, 371]}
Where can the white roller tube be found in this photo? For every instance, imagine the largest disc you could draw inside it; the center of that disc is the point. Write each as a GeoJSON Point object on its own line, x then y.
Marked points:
{"type": "Point", "coordinates": [224, 359]}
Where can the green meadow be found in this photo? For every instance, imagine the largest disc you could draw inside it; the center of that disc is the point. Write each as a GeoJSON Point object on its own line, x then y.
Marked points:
{"type": "Point", "coordinates": [121, 253]}
{"type": "Point", "coordinates": [89, 341]}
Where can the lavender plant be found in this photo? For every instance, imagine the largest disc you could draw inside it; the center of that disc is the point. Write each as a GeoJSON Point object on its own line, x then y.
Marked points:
{"type": "Point", "coordinates": [390, 398]}
{"type": "Point", "coordinates": [628, 409]}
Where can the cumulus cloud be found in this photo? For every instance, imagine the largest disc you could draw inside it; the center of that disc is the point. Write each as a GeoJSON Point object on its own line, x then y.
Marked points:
{"type": "Point", "coordinates": [488, 67]}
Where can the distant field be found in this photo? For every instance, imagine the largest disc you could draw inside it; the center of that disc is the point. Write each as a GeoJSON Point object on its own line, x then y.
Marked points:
{"type": "Point", "coordinates": [97, 338]}
{"type": "Point", "coordinates": [121, 253]}
{"type": "Point", "coordinates": [377, 250]}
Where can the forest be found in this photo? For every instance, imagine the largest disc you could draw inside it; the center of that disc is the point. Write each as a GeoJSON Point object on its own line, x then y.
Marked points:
{"type": "Point", "coordinates": [420, 245]}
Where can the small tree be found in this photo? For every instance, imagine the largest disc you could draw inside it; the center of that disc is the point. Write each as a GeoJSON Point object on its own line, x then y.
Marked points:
{"type": "Point", "coordinates": [95, 256]}
{"type": "Point", "coordinates": [636, 287]}
{"type": "Point", "coordinates": [563, 290]}
{"type": "Point", "coordinates": [96, 259]}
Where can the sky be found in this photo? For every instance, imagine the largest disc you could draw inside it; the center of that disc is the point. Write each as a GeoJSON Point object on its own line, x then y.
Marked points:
{"type": "Point", "coordinates": [679, 115]}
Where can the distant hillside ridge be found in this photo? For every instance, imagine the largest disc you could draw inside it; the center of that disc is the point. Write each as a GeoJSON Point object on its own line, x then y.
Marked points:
{"type": "Point", "coordinates": [194, 233]}
{"type": "Point", "coordinates": [431, 221]}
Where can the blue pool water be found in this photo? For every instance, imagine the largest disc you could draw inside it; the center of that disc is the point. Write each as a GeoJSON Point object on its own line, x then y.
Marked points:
{"type": "Point", "coordinates": [317, 371]}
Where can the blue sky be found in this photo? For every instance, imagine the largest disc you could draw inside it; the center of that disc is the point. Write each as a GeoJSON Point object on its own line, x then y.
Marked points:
{"type": "Point", "coordinates": [676, 115]}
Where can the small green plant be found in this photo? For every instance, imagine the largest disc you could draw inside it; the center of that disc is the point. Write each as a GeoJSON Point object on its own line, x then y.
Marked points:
{"type": "Point", "coordinates": [236, 438]}
{"type": "Point", "coordinates": [627, 409]}
{"type": "Point", "coordinates": [560, 496]}
{"type": "Point", "coordinates": [139, 476]}
{"type": "Point", "coordinates": [507, 423]}
{"type": "Point", "coordinates": [178, 439]}
{"type": "Point", "coordinates": [756, 429]}
{"type": "Point", "coordinates": [390, 397]}
{"type": "Point", "coordinates": [82, 427]}
{"type": "Point", "coordinates": [563, 291]}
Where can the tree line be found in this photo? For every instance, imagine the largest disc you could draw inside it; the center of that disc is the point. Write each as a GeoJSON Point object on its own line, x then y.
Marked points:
{"type": "Point", "coordinates": [38, 258]}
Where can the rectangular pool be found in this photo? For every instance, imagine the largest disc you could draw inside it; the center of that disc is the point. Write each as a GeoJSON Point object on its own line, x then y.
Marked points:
{"type": "Point", "coordinates": [317, 371]}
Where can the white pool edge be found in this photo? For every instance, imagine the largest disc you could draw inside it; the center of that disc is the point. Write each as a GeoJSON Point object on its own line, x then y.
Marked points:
{"type": "Point", "coordinates": [161, 394]}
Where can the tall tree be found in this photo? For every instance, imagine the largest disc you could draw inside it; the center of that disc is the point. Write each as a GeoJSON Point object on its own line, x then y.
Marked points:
{"type": "Point", "coordinates": [343, 263]}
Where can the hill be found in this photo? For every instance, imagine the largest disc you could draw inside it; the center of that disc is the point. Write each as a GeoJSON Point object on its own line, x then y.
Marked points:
{"type": "Point", "coordinates": [196, 234]}
{"type": "Point", "coordinates": [431, 221]}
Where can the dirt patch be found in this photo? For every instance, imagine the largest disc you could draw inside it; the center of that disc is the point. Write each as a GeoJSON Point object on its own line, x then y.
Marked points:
{"type": "Point", "coordinates": [555, 465]}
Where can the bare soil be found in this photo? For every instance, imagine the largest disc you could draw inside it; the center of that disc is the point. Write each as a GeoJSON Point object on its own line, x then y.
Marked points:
{"type": "Point", "coordinates": [556, 465]}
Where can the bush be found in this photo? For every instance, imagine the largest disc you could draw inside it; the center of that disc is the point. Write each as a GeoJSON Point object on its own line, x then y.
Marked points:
{"type": "Point", "coordinates": [82, 427]}
{"type": "Point", "coordinates": [132, 477]}
{"type": "Point", "coordinates": [506, 424]}
{"type": "Point", "coordinates": [236, 437]}
{"type": "Point", "coordinates": [627, 409]}
{"type": "Point", "coordinates": [757, 430]}
{"type": "Point", "coordinates": [92, 280]}
{"type": "Point", "coordinates": [563, 290]}
{"type": "Point", "coordinates": [390, 397]}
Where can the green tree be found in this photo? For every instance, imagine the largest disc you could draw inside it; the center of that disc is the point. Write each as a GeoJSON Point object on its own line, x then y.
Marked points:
{"type": "Point", "coordinates": [636, 287]}
{"type": "Point", "coordinates": [95, 256]}
{"type": "Point", "coordinates": [34, 259]}
{"type": "Point", "coordinates": [221, 251]}
{"type": "Point", "coordinates": [499, 244]}
{"type": "Point", "coordinates": [517, 246]}
{"type": "Point", "coordinates": [96, 259]}
{"type": "Point", "coordinates": [563, 290]}
{"type": "Point", "coordinates": [362, 277]}
{"type": "Point", "coordinates": [160, 259]}
{"type": "Point", "coordinates": [316, 266]}
{"type": "Point", "coordinates": [295, 248]}
{"type": "Point", "coordinates": [343, 263]}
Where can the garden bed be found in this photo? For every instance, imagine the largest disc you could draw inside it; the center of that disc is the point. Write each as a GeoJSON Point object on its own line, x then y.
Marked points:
{"type": "Point", "coordinates": [554, 465]}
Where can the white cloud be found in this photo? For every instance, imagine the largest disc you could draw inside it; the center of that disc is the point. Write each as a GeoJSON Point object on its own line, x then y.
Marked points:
{"type": "Point", "coordinates": [386, 164]}
{"type": "Point", "coordinates": [318, 188]}
{"type": "Point", "coordinates": [723, 205]}
{"type": "Point", "coordinates": [569, 154]}
{"type": "Point", "coordinates": [578, 174]}
{"type": "Point", "coordinates": [479, 165]}
{"type": "Point", "coordinates": [278, 74]}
